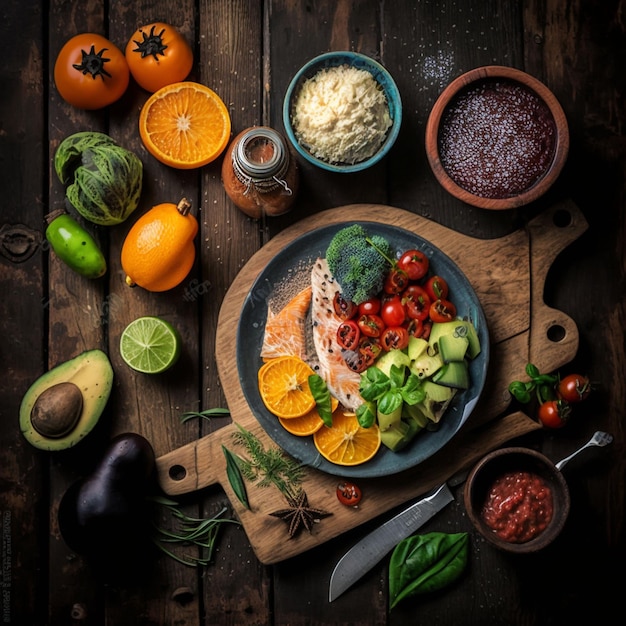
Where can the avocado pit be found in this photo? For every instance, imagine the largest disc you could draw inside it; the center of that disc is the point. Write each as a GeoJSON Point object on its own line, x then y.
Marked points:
{"type": "Point", "coordinates": [57, 410]}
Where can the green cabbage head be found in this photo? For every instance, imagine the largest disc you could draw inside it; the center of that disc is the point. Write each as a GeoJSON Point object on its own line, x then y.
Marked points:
{"type": "Point", "coordinates": [102, 179]}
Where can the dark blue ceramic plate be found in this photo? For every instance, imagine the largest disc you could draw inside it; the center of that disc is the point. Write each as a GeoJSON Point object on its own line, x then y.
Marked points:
{"type": "Point", "coordinates": [294, 263]}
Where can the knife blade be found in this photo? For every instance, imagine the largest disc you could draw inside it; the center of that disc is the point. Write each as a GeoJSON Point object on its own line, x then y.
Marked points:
{"type": "Point", "coordinates": [360, 559]}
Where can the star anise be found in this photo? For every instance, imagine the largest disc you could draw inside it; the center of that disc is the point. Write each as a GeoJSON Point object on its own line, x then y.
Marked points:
{"type": "Point", "coordinates": [300, 514]}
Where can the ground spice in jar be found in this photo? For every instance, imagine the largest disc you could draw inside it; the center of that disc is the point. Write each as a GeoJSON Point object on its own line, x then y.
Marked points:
{"type": "Point", "coordinates": [259, 172]}
{"type": "Point", "coordinates": [497, 139]}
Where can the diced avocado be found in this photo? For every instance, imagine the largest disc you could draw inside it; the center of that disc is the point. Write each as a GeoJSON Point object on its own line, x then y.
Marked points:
{"type": "Point", "coordinates": [453, 347]}
{"type": "Point", "coordinates": [426, 365]}
{"type": "Point", "coordinates": [417, 346]}
{"type": "Point", "coordinates": [437, 399]}
{"type": "Point", "coordinates": [461, 328]}
{"type": "Point", "coordinates": [453, 374]}
{"type": "Point", "coordinates": [398, 436]}
{"type": "Point", "coordinates": [387, 420]}
{"type": "Point", "coordinates": [412, 413]}
{"type": "Point", "coordinates": [393, 357]}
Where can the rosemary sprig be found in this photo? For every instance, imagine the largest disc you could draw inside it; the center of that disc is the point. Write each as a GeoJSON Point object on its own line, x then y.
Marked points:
{"type": "Point", "coordinates": [190, 531]}
{"type": "Point", "coordinates": [268, 467]}
{"type": "Point", "coordinates": [206, 414]}
{"type": "Point", "coordinates": [235, 477]}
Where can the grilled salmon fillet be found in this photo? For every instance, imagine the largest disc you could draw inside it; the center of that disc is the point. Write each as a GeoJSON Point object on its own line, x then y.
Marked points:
{"type": "Point", "coordinates": [341, 381]}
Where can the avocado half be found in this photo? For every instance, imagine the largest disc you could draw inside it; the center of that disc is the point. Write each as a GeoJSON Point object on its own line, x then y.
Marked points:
{"type": "Point", "coordinates": [92, 374]}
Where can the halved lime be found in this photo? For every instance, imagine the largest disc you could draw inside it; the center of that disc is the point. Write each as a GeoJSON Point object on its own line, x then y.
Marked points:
{"type": "Point", "coordinates": [150, 345]}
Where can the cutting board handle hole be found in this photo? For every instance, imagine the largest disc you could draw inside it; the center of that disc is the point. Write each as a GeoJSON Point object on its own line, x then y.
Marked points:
{"type": "Point", "coordinates": [556, 333]}
{"type": "Point", "coordinates": [177, 472]}
{"type": "Point", "coordinates": [562, 218]}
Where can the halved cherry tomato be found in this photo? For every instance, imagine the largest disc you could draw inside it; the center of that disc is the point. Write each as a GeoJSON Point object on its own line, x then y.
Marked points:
{"type": "Point", "coordinates": [396, 281]}
{"type": "Point", "coordinates": [442, 311]}
{"type": "Point", "coordinates": [415, 328]}
{"type": "Point", "coordinates": [370, 307]}
{"type": "Point", "coordinates": [394, 338]}
{"type": "Point", "coordinates": [349, 494]}
{"type": "Point", "coordinates": [437, 288]}
{"type": "Point", "coordinates": [415, 263]}
{"type": "Point", "coordinates": [371, 325]}
{"type": "Point", "coordinates": [554, 413]}
{"type": "Point", "coordinates": [90, 72]}
{"type": "Point", "coordinates": [357, 361]}
{"type": "Point", "coordinates": [344, 309]}
{"type": "Point", "coordinates": [348, 335]}
{"type": "Point", "coordinates": [370, 347]}
{"type": "Point", "coordinates": [416, 301]}
{"type": "Point", "coordinates": [158, 55]}
{"type": "Point", "coordinates": [393, 312]}
{"type": "Point", "coordinates": [573, 388]}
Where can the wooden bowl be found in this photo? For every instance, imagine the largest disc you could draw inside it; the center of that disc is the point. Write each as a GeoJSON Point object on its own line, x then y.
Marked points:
{"type": "Point", "coordinates": [497, 138]}
{"type": "Point", "coordinates": [508, 463]}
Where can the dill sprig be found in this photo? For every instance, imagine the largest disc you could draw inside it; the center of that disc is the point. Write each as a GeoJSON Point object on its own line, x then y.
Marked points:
{"type": "Point", "coordinates": [270, 466]}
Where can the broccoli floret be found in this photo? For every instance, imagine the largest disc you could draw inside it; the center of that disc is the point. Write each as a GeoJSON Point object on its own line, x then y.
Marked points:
{"type": "Point", "coordinates": [358, 262]}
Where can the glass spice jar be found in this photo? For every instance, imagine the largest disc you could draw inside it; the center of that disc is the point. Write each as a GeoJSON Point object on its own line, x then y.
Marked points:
{"type": "Point", "coordinates": [259, 173]}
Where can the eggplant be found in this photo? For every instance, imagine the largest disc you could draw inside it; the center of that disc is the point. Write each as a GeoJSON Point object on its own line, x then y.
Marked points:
{"type": "Point", "coordinates": [106, 516]}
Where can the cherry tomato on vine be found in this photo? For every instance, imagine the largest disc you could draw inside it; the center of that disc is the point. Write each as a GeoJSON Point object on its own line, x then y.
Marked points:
{"type": "Point", "coordinates": [573, 388]}
{"type": "Point", "coordinates": [394, 338]}
{"type": "Point", "coordinates": [396, 281]}
{"type": "Point", "coordinates": [158, 55]}
{"type": "Point", "coordinates": [370, 307]}
{"type": "Point", "coordinates": [90, 72]}
{"type": "Point", "coordinates": [344, 309]}
{"type": "Point", "coordinates": [393, 312]}
{"type": "Point", "coordinates": [348, 335]}
{"type": "Point", "coordinates": [437, 288]}
{"type": "Point", "coordinates": [349, 494]}
{"type": "Point", "coordinates": [442, 311]}
{"type": "Point", "coordinates": [371, 325]}
{"type": "Point", "coordinates": [415, 263]}
{"type": "Point", "coordinates": [417, 302]}
{"type": "Point", "coordinates": [554, 413]}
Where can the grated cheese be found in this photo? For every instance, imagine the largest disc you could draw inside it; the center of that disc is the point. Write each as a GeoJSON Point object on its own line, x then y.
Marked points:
{"type": "Point", "coordinates": [341, 115]}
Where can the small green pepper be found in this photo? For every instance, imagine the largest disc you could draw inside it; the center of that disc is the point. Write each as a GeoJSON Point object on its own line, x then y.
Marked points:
{"type": "Point", "coordinates": [74, 245]}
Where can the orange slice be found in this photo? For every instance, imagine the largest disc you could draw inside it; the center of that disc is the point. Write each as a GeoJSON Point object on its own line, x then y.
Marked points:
{"type": "Point", "coordinates": [346, 442]}
{"type": "Point", "coordinates": [307, 424]}
{"type": "Point", "coordinates": [185, 125]}
{"type": "Point", "coordinates": [284, 387]}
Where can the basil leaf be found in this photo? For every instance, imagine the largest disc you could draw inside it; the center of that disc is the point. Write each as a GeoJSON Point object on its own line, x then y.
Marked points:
{"type": "Point", "coordinates": [374, 383]}
{"type": "Point", "coordinates": [532, 370]}
{"type": "Point", "coordinates": [425, 563]}
{"type": "Point", "coordinates": [520, 392]}
{"type": "Point", "coordinates": [413, 392]}
{"type": "Point", "coordinates": [320, 392]}
{"type": "Point", "coordinates": [366, 414]}
{"type": "Point", "coordinates": [390, 402]}
{"type": "Point", "coordinates": [397, 375]}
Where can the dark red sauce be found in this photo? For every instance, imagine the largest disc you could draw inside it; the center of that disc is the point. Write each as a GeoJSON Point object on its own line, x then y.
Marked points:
{"type": "Point", "coordinates": [519, 506]}
{"type": "Point", "coordinates": [497, 139]}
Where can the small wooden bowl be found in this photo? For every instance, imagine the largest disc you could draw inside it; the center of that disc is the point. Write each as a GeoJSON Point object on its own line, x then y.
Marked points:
{"type": "Point", "coordinates": [514, 459]}
{"type": "Point", "coordinates": [497, 138]}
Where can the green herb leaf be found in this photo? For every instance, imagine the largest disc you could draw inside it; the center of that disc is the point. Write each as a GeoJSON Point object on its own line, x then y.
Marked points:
{"type": "Point", "coordinates": [390, 402]}
{"type": "Point", "coordinates": [374, 383]}
{"type": "Point", "coordinates": [520, 391]}
{"type": "Point", "coordinates": [320, 392]}
{"type": "Point", "coordinates": [425, 563]}
{"type": "Point", "coordinates": [235, 477]}
{"type": "Point", "coordinates": [366, 414]}
{"type": "Point", "coordinates": [206, 414]}
{"type": "Point", "coordinates": [413, 391]}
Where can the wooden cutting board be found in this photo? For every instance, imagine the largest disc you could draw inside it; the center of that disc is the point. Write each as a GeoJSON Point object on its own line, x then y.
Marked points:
{"type": "Point", "coordinates": [508, 275]}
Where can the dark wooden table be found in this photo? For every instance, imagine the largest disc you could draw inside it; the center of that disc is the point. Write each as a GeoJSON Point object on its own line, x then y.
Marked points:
{"type": "Point", "coordinates": [247, 52]}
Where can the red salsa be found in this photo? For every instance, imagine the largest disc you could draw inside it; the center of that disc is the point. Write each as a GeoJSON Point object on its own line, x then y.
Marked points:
{"type": "Point", "coordinates": [518, 506]}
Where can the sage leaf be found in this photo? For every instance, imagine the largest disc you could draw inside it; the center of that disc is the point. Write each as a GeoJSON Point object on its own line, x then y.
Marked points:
{"type": "Point", "coordinates": [425, 563]}
{"type": "Point", "coordinates": [323, 403]}
{"type": "Point", "coordinates": [235, 477]}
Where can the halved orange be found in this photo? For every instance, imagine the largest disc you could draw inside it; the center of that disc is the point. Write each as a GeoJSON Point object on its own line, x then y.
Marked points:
{"type": "Point", "coordinates": [284, 387]}
{"type": "Point", "coordinates": [185, 125]}
{"type": "Point", "coordinates": [346, 442]}
{"type": "Point", "coordinates": [307, 424]}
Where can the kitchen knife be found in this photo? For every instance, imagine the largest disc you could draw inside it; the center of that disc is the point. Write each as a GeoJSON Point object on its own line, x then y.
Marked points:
{"type": "Point", "coordinates": [360, 559]}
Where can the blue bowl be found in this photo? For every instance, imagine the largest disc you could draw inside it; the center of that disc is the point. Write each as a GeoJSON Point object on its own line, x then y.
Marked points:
{"type": "Point", "coordinates": [362, 62]}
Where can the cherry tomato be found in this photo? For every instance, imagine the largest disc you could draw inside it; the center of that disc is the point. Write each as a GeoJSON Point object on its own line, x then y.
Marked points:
{"type": "Point", "coordinates": [90, 72]}
{"type": "Point", "coordinates": [415, 328]}
{"type": "Point", "coordinates": [370, 307]}
{"type": "Point", "coordinates": [393, 312]}
{"type": "Point", "coordinates": [370, 347]}
{"type": "Point", "coordinates": [348, 335]}
{"type": "Point", "coordinates": [573, 388]}
{"type": "Point", "coordinates": [442, 311]}
{"type": "Point", "coordinates": [395, 281]}
{"type": "Point", "coordinates": [357, 361]}
{"type": "Point", "coordinates": [371, 325]}
{"type": "Point", "coordinates": [158, 55]}
{"type": "Point", "coordinates": [394, 338]}
{"type": "Point", "coordinates": [348, 494]}
{"type": "Point", "coordinates": [344, 309]}
{"type": "Point", "coordinates": [417, 302]}
{"type": "Point", "coordinates": [415, 263]}
{"type": "Point", "coordinates": [554, 413]}
{"type": "Point", "coordinates": [436, 288]}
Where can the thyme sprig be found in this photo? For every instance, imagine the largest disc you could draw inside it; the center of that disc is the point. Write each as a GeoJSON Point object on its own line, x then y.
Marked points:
{"type": "Point", "coordinates": [267, 467]}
